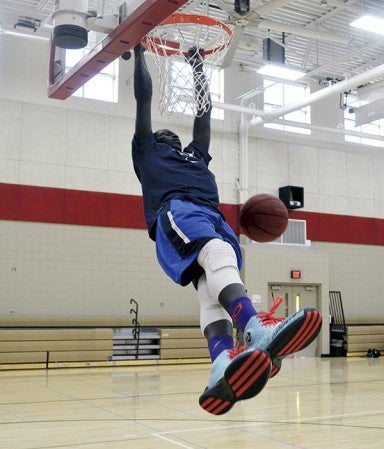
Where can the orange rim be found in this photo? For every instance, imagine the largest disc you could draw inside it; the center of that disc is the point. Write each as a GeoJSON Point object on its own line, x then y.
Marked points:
{"type": "Point", "coordinates": [197, 19]}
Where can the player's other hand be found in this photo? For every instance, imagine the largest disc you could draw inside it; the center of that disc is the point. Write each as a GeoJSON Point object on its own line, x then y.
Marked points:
{"type": "Point", "coordinates": [195, 57]}
{"type": "Point", "coordinates": [139, 48]}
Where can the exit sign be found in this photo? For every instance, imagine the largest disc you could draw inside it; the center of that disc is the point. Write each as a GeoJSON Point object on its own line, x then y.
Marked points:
{"type": "Point", "coordinates": [295, 274]}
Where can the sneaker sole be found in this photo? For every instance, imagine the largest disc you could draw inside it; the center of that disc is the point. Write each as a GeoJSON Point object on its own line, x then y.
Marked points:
{"type": "Point", "coordinates": [296, 336]}
{"type": "Point", "coordinates": [244, 378]}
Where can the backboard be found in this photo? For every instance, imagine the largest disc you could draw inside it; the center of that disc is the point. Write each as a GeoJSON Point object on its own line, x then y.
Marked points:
{"type": "Point", "coordinates": [122, 39]}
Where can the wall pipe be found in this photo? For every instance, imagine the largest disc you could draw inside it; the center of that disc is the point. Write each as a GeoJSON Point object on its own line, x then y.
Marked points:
{"type": "Point", "coordinates": [236, 108]}
{"type": "Point", "coordinates": [243, 180]}
{"type": "Point", "coordinates": [342, 86]}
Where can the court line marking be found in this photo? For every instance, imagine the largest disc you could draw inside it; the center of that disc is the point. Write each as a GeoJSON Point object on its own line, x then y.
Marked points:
{"type": "Point", "coordinates": [168, 440]}
{"type": "Point", "coordinates": [268, 423]}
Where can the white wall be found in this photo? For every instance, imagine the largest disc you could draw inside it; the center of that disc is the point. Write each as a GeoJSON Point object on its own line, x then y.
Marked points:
{"type": "Point", "coordinates": [347, 180]}
{"type": "Point", "coordinates": [85, 144]}
{"type": "Point", "coordinates": [62, 270]}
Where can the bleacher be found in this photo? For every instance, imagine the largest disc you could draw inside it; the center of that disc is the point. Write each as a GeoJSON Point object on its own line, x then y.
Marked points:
{"type": "Point", "coordinates": [364, 333]}
{"type": "Point", "coordinates": [46, 347]}
{"type": "Point", "coordinates": [54, 342]}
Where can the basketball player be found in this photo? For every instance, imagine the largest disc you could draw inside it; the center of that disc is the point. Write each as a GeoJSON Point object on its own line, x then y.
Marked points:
{"type": "Point", "coordinates": [195, 244]}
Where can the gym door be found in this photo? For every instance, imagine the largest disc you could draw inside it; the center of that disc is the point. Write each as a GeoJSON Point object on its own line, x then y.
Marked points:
{"type": "Point", "coordinates": [295, 297]}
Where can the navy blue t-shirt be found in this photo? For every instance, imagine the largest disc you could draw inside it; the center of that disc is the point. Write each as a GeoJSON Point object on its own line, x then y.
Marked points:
{"type": "Point", "coordinates": [166, 174]}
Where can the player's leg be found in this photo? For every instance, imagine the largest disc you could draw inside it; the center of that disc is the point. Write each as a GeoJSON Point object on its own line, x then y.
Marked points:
{"type": "Point", "coordinates": [236, 373]}
{"type": "Point", "coordinates": [182, 229]}
{"type": "Point", "coordinates": [261, 329]}
{"type": "Point", "coordinates": [187, 230]}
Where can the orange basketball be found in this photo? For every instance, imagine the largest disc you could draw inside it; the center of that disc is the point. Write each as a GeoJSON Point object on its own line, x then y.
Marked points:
{"type": "Point", "coordinates": [263, 218]}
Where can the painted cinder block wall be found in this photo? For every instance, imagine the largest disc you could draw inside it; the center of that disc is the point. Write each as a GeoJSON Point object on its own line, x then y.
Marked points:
{"type": "Point", "coordinates": [72, 238]}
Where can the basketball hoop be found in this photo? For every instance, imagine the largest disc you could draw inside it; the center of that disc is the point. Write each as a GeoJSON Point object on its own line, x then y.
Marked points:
{"type": "Point", "coordinates": [170, 44]}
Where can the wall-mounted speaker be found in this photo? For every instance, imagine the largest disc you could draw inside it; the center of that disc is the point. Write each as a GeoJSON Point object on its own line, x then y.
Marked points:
{"type": "Point", "coordinates": [292, 196]}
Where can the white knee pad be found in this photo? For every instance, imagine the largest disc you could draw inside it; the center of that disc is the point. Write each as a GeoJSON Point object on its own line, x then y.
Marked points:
{"type": "Point", "coordinates": [210, 309]}
{"type": "Point", "coordinates": [219, 261]}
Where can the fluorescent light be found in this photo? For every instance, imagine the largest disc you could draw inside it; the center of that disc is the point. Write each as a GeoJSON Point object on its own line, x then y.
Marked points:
{"type": "Point", "coordinates": [278, 71]}
{"type": "Point", "coordinates": [369, 23]}
{"type": "Point", "coordinates": [29, 36]}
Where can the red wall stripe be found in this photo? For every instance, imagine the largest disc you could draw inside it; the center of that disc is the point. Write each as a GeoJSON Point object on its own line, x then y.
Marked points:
{"type": "Point", "coordinates": [78, 207]}
{"type": "Point", "coordinates": [342, 228]}
{"type": "Point", "coordinates": [52, 205]}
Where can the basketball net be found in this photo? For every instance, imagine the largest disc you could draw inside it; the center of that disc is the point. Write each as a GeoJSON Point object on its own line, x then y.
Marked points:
{"type": "Point", "coordinates": [181, 90]}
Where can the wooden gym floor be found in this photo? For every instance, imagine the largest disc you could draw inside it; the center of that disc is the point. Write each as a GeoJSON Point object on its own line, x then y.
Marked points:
{"type": "Point", "coordinates": [313, 403]}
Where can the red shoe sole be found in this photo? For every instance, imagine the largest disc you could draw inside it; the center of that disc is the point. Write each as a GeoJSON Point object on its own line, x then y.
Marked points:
{"type": "Point", "coordinates": [297, 336]}
{"type": "Point", "coordinates": [244, 378]}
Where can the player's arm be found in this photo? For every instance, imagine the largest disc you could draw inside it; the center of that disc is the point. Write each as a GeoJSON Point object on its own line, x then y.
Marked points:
{"type": "Point", "coordinates": [202, 121]}
{"type": "Point", "coordinates": [143, 94]}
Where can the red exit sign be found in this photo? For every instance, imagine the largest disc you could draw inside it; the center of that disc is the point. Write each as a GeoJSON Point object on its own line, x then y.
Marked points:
{"type": "Point", "coordinates": [295, 274]}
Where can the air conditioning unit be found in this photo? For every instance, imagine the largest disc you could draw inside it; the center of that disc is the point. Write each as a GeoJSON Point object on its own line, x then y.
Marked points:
{"type": "Point", "coordinates": [295, 234]}
{"type": "Point", "coordinates": [369, 112]}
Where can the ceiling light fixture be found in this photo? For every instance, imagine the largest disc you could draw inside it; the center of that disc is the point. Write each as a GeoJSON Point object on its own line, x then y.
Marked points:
{"type": "Point", "coordinates": [281, 72]}
{"type": "Point", "coordinates": [24, 35]}
{"type": "Point", "coordinates": [369, 23]}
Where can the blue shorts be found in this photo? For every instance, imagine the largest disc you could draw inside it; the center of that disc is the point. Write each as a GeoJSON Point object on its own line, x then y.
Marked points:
{"type": "Point", "coordinates": [183, 228]}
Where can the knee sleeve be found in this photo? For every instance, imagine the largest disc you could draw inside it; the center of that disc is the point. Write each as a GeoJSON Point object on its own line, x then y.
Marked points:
{"type": "Point", "coordinates": [219, 261]}
{"type": "Point", "coordinates": [210, 309]}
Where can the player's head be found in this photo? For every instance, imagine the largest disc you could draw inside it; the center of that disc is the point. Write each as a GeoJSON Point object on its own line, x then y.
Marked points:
{"type": "Point", "coordinates": [168, 137]}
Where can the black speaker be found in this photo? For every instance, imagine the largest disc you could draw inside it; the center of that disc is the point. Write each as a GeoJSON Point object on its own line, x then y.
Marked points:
{"type": "Point", "coordinates": [292, 196]}
{"type": "Point", "coordinates": [273, 52]}
{"type": "Point", "coordinates": [242, 6]}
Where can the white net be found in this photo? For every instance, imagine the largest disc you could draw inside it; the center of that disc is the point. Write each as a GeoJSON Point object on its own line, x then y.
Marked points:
{"type": "Point", "coordinates": [180, 38]}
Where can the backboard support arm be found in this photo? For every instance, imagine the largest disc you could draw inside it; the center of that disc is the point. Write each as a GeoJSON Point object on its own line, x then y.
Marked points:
{"type": "Point", "coordinates": [122, 39]}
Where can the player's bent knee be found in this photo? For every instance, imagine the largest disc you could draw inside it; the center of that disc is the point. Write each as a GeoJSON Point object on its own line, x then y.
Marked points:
{"type": "Point", "coordinates": [220, 265]}
{"type": "Point", "coordinates": [217, 254]}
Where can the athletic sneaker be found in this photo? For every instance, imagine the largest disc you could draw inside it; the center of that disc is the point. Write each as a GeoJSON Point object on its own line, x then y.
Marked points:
{"type": "Point", "coordinates": [282, 336]}
{"type": "Point", "coordinates": [235, 375]}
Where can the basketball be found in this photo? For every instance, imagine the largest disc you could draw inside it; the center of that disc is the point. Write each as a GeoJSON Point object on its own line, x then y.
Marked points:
{"type": "Point", "coordinates": [263, 218]}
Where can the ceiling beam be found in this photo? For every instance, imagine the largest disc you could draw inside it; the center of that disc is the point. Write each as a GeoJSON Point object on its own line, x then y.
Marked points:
{"type": "Point", "coordinates": [302, 31]}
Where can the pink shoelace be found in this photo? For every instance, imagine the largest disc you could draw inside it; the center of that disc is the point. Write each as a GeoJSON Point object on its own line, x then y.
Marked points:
{"type": "Point", "coordinates": [232, 353]}
{"type": "Point", "coordinates": [267, 318]}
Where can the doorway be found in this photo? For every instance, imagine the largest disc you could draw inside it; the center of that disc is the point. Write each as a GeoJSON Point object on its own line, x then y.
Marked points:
{"type": "Point", "coordinates": [295, 297]}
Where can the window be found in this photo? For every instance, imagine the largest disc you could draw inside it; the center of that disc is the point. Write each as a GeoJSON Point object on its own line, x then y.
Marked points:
{"type": "Point", "coordinates": [102, 86]}
{"type": "Point", "coordinates": [217, 92]}
{"type": "Point", "coordinates": [276, 95]}
{"type": "Point", "coordinates": [181, 76]}
{"type": "Point", "coordinates": [374, 128]}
